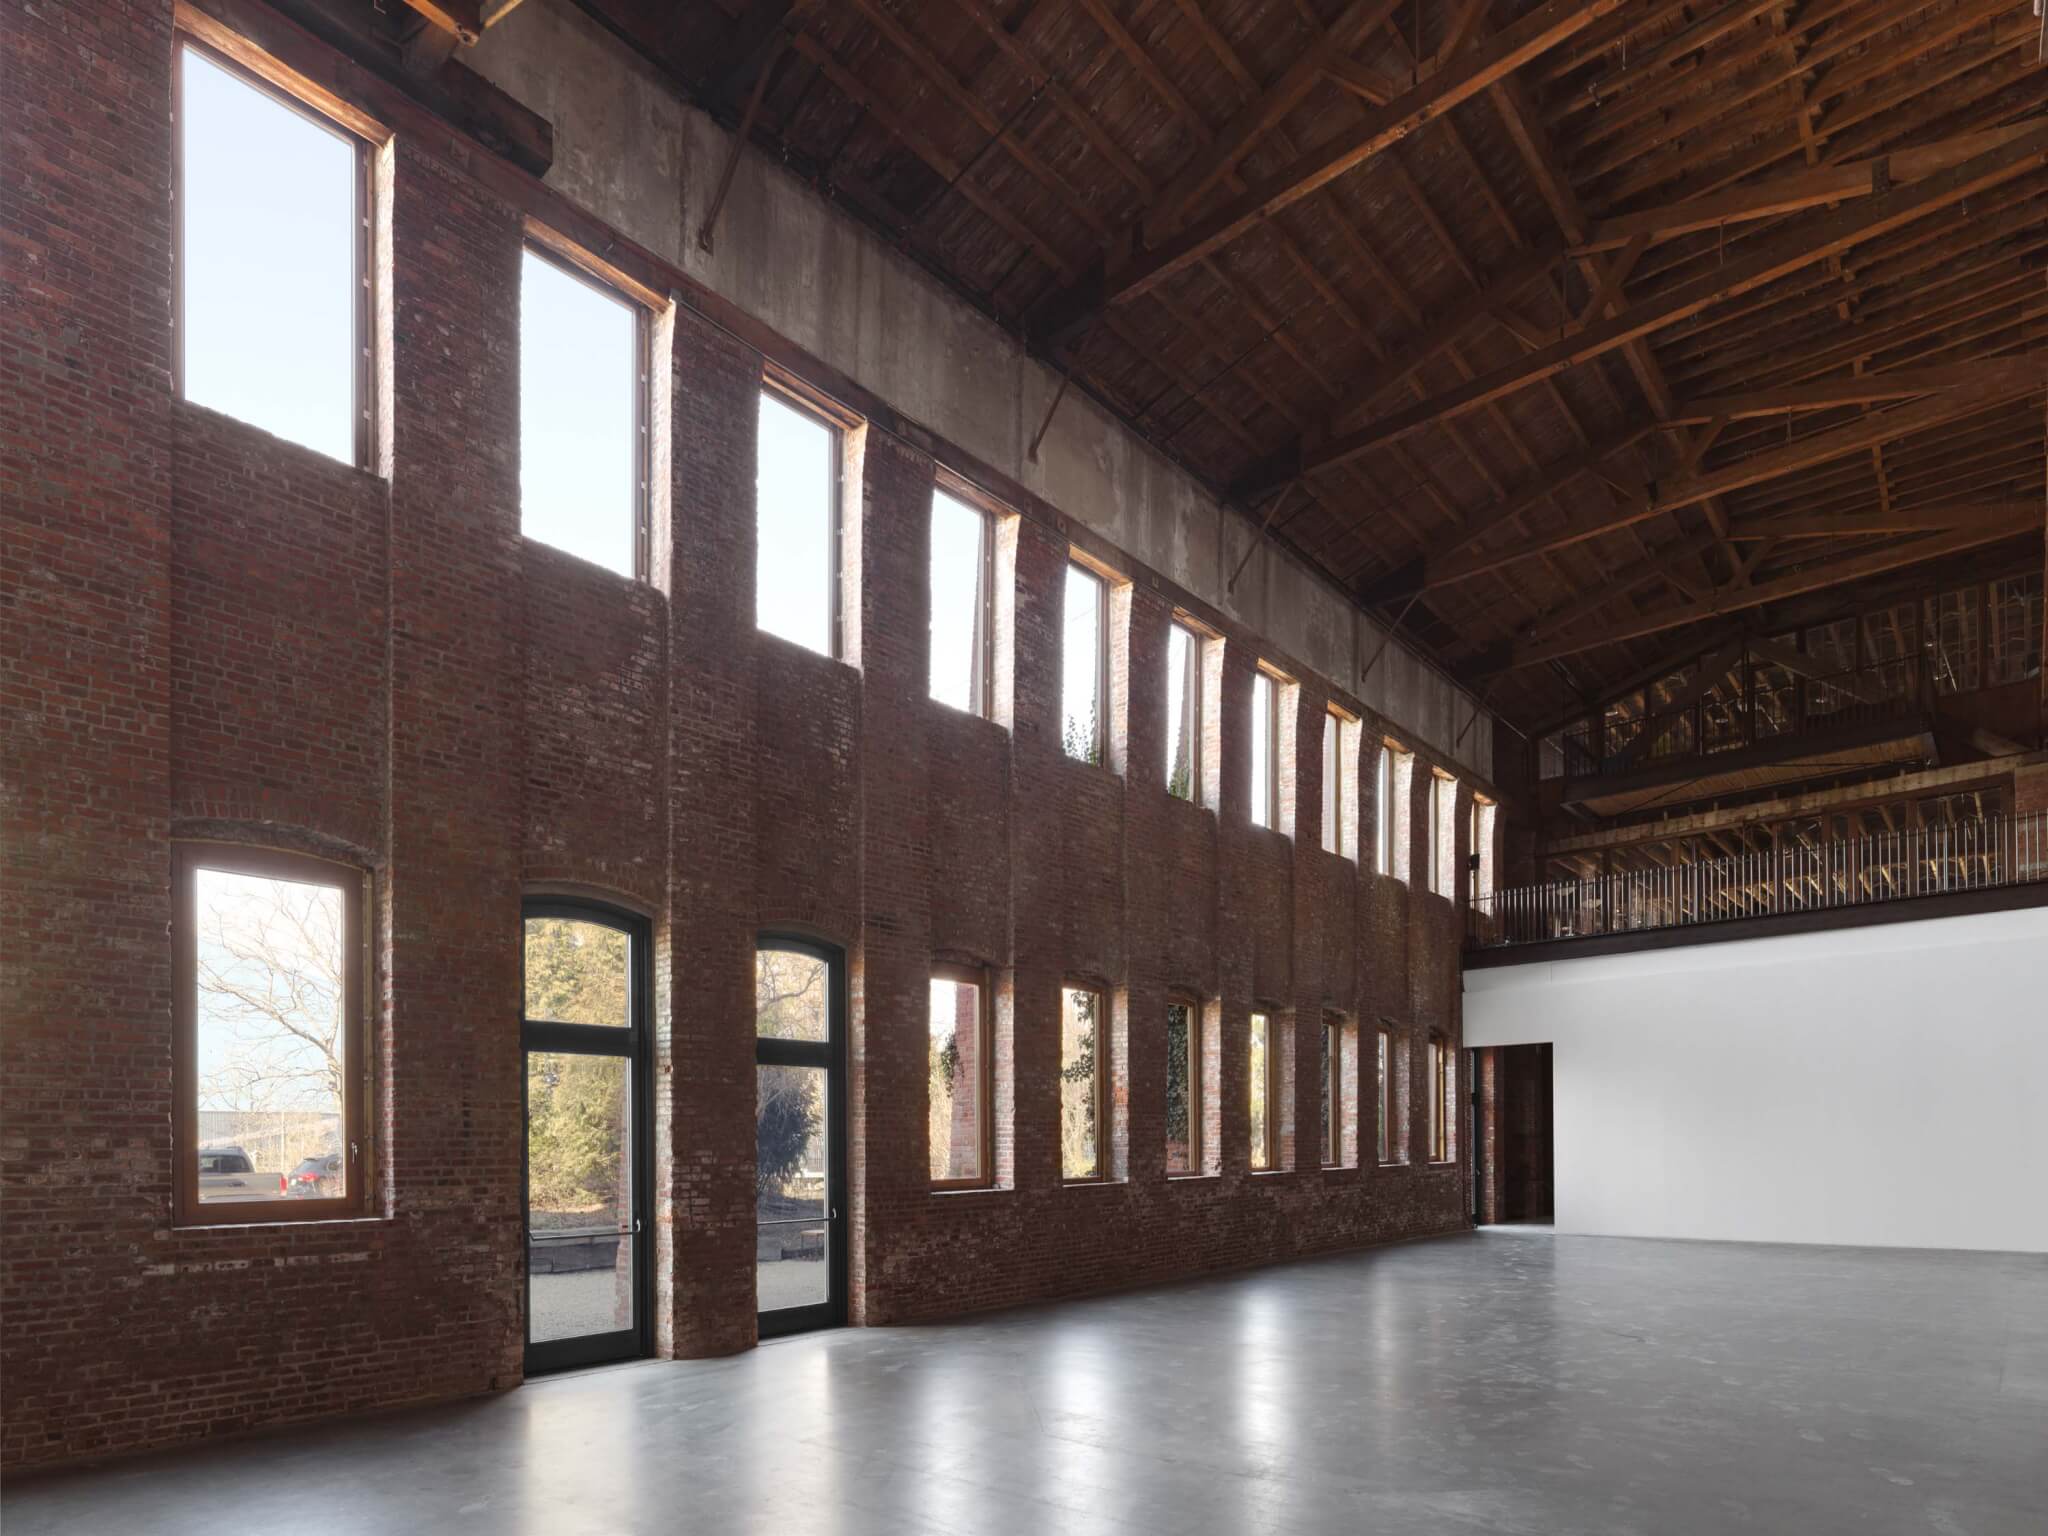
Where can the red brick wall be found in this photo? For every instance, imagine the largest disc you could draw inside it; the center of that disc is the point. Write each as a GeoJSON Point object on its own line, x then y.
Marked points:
{"type": "Point", "coordinates": [209, 631]}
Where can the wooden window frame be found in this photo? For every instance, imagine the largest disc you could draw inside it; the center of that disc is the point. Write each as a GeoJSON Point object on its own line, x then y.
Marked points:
{"type": "Point", "coordinates": [187, 859]}
{"type": "Point", "coordinates": [1099, 1089]}
{"type": "Point", "coordinates": [1269, 728]}
{"type": "Point", "coordinates": [1196, 1072]}
{"type": "Point", "coordinates": [1442, 1090]}
{"type": "Point", "coordinates": [1389, 1142]}
{"type": "Point", "coordinates": [956, 489]}
{"type": "Point", "coordinates": [985, 1121]}
{"type": "Point", "coordinates": [1192, 688]}
{"type": "Point", "coordinates": [788, 392]}
{"type": "Point", "coordinates": [1269, 1144]}
{"type": "Point", "coordinates": [257, 70]}
{"type": "Point", "coordinates": [1102, 587]}
{"type": "Point", "coordinates": [577, 264]}
{"type": "Point", "coordinates": [1383, 810]}
{"type": "Point", "coordinates": [1333, 1086]}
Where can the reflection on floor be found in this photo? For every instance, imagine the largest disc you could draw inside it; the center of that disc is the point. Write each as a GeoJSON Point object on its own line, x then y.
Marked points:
{"type": "Point", "coordinates": [1488, 1382]}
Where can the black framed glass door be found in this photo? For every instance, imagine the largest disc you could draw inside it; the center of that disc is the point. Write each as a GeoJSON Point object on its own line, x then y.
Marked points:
{"type": "Point", "coordinates": [588, 1142]}
{"type": "Point", "coordinates": [799, 1134]}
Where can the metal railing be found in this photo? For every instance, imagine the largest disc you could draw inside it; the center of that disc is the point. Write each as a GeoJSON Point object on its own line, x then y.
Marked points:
{"type": "Point", "coordinates": [1888, 866]}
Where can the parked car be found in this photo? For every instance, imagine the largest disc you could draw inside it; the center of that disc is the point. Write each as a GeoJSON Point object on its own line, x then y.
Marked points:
{"type": "Point", "coordinates": [316, 1178]}
{"type": "Point", "coordinates": [226, 1174]}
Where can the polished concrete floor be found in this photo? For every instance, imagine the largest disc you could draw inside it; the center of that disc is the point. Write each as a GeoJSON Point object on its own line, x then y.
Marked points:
{"type": "Point", "coordinates": [1499, 1381]}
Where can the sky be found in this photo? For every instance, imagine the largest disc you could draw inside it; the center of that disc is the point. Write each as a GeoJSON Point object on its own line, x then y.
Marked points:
{"type": "Point", "coordinates": [579, 455]}
{"type": "Point", "coordinates": [794, 566]}
{"type": "Point", "coordinates": [269, 262]}
{"type": "Point", "coordinates": [1080, 656]}
{"type": "Point", "coordinates": [956, 595]}
{"type": "Point", "coordinates": [1180, 648]}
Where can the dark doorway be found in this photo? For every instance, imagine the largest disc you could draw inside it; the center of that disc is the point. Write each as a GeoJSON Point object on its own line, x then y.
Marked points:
{"type": "Point", "coordinates": [799, 1134]}
{"type": "Point", "coordinates": [588, 1113]}
{"type": "Point", "coordinates": [1512, 1173]}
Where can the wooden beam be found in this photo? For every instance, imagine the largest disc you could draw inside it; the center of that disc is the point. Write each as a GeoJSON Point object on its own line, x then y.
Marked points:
{"type": "Point", "coordinates": [1689, 490]}
{"type": "Point", "coordinates": [1831, 574]}
{"type": "Point", "coordinates": [1258, 118]}
{"type": "Point", "coordinates": [1851, 525]}
{"type": "Point", "coordinates": [1857, 389]}
{"type": "Point", "coordinates": [1790, 194]}
{"type": "Point", "coordinates": [1473, 71]}
{"type": "Point", "coordinates": [1787, 253]}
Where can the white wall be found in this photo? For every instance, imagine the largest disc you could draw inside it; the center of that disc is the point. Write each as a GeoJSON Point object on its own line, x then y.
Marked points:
{"type": "Point", "coordinates": [1883, 1086]}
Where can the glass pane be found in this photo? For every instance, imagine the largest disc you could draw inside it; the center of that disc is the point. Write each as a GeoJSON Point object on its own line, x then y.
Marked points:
{"type": "Point", "coordinates": [1262, 750]}
{"type": "Point", "coordinates": [1183, 679]}
{"type": "Point", "coordinates": [959, 603]}
{"type": "Point", "coordinates": [1331, 1056]}
{"type": "Point", "coordinates": [956, 1080]}
{"type": "Point", "coordinates": [579, 1192]}
{"type": "Point", "coordinates": [1262, 1139]}
{"type": "Point", "coordinates": [1333, 784]}
{"type": "Point", "coordinates": [269, 271]}
{"type": "Point", "coordinates": [1080, 1102]}
{"type": "Point", "coordinates": [794, 564]}
{"type": "Point", "coordinates": [1182, 1063]}
{"type": "Point", "coordinates": [1081, 667]}
{"type": "Point", "coordinates": [579, 431]}
{"type": "Point", "coordinates": [271, 1048]}
{"type": "Point", "coordinates": [790, 997]}
{"type": "Point", "coordinates": [792, 1232]}
{"type": "Point", "coordinates": [1383, 813]}
{"type": "Point", "coordinates": [1386, 1117]}
{"type": "Point", "coordinates": [578, 972]}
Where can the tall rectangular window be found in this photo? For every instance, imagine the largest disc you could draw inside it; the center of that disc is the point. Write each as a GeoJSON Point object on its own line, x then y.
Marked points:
{"type": "Point", "coordinates": [1265, 792]}
{"type": "Point", "coordinates": [1389, 1098]}
{"type": "Point", "coordinates": [1340, 784]}
{"type": "Point", "coordinates": [796, 555]}
{"type": "Point", "coordinates": [2015, 628]}
{"type": "Point", "coordinates": [582, 415]}
{"type": "Point", "coordinates": [1443, 835]}
{"type": "Point", "coordinates": [1954, 639]}
{"type": "Point", "coordinates": [1442, 1102]}
{"type": "Point", "coordinates": [1333, 1091]}
{"type": "Point", "coordinates": [1084, 665]}
{"type": "Point", "coordinates": [1383, 811]}
{"type": "Point", "coordinates": [273, 260]}
{"type": "Point", "coordinates": [1264, 1101]}
{"type": "Point", "coordinates": [963, 602]}
{"type": "Point", "coordinates": [1483, 812]}
{"type": "Point", "coordinates": [268, 961]}
{"type": "Point", "coordinates": [1183, 713]}
{"type": "Point", "coordinates": [1082, 1034]}
{"type": "Point", "coordinates": [959, 1119]}
{"type": "Point", "coordinates": [1183, 1088]}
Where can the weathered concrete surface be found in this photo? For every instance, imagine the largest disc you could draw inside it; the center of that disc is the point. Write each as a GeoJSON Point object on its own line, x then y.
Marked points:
{"type": "Point", "coordinates": [632, 152]}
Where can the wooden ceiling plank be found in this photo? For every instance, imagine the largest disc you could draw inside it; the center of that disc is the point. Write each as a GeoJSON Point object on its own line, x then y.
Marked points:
{"type": "Point", "coordinates": [1796, 248]}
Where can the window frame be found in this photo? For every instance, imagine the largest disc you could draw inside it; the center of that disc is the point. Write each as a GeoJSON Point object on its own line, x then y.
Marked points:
{"type": "Point", "coordinates": [1383, 811]}
{"type": "Point", "coordinates": [1268, 1145]}
{"type": "Point", "coordinates": [1389, 1098]}
{"type": "Point", "coordinates": [1333, 1089]}
{"type": "Point", "coordinates": [1099, 1089]}
{"type": "Point", "coordinates": [789, 393]}
{"type": "Point", "coordinates": [1269, 729]}
{"type": "Point", "coordinates": [1100, 746]}
{"type": "Point", "coordinates": [1192, 688]}
{"type": "Point", "coordinates": [1196, 1151]}
{"type": "Point", "coordinates": [1442, 1090]}
{"type": "Point", "coordinates": [573, 262]}
{"type": "Point", "coordinates": [977, 977]}
{"type": "Point", "coordinates": [957, 491]}
{"type": "Point", "coordinates": [260, 72]}
{"type": "Point", "coordinates": [188, 857]}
